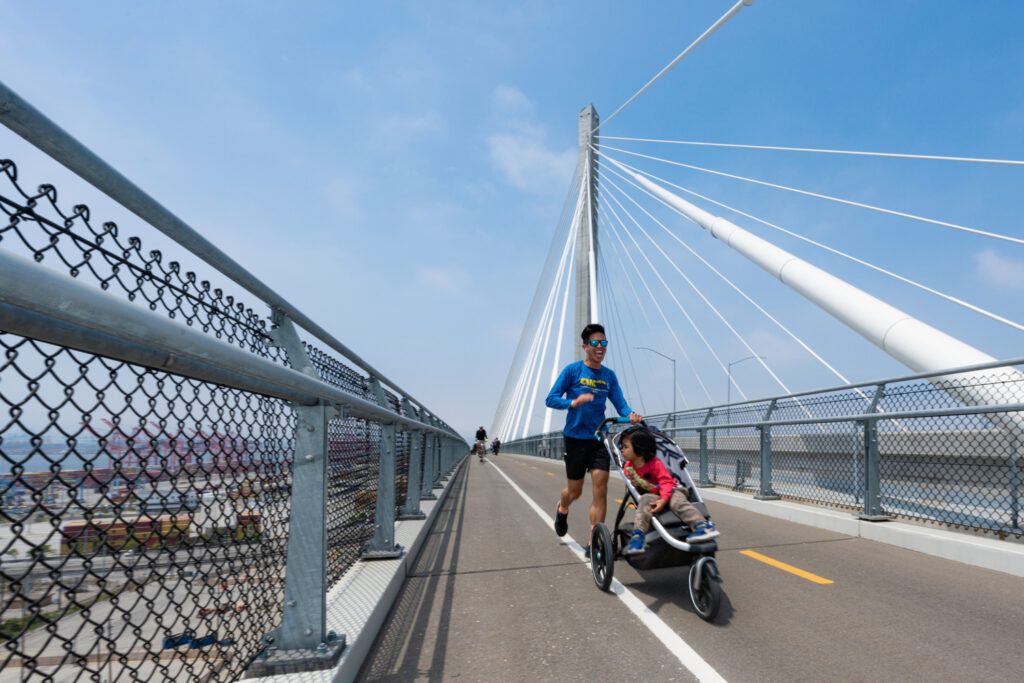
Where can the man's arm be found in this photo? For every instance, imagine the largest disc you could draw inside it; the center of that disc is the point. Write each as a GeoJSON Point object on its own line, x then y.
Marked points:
{"type": "Point", "coordinates": [619, 401]}
{"type": "Point", "coordinates": [555, 396]}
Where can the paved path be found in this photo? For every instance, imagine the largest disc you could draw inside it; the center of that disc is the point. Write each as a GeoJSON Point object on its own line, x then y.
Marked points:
{"type": "Point", "coordinates": [495, 595]}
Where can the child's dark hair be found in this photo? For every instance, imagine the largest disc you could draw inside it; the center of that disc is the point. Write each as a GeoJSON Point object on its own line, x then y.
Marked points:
{"type": "Point", "coordinates": [642, 441]}
{"type": "Point", "coordinates": [592, 328]}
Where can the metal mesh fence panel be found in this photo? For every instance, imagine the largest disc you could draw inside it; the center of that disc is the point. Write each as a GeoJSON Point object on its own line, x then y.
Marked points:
{"type": "Point", "coordinates": [71, 241]}
{"type": "Point", "coordinates": [144, 518]}
{"type": "Point", "coordinates": [950, 471]}
{"type": "Point", "coordinates": [821, 465]}
{"type": "Point", "coordinates": [960, 471]}
{"type": "Point", "coordinates": [353, 452]}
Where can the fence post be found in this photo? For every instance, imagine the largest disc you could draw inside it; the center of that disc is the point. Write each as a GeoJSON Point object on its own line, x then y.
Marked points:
{"type": "Point", "coordinates": [765, 431]}
{"type": "Point", "coordinates": [872, 465]}
{"type": "Point", "coordinates": [705, 480]}
{"type": "Point", "coordinates": [411, 509]}
{"type": "Point", "coordinates": [438, 454]}
{"type": "Point", "coordinates": [304, 619]}
{"type": "Point", "coordinates": [382, 545]}
{"type": "Point", "coordinates": [703, 477]}
{"type": "Point", "coordinates": [429, 445]}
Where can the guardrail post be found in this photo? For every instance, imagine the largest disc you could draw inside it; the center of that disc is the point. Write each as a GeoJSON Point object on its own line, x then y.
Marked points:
{"type": "Point", "coordinates": [702, 479]}
{"type": "Point", "coordinates": [438, 446]}
{"type": "Point", "coordinates": [872, 465]}
{"type": "Point", "coordinates": [765, 431]}
{"type": "Point", "coordinates": [302, 642]}
{"type": "Point", "coordinates": [1014, 484]}
{"type": "Point", "coordinates": [382, 545]}
{"type": "Point", "coordinates": [430, 445]}
{"type": "Point", "coordinates": [705, 480]}
{"type": "Point", "coordinates": [411, 509]}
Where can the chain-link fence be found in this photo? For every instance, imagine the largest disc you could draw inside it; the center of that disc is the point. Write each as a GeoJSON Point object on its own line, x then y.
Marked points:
{"type": "Point", "coordinates": [145, 514]}
{"type": "Point", "coordinates": [944, 449]}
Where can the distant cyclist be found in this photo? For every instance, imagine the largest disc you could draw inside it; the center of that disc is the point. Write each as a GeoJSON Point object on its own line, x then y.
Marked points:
{"type": "Point", "coordinates": [481, 441]}
{"type": "Point", "coordinates": [496, 445]}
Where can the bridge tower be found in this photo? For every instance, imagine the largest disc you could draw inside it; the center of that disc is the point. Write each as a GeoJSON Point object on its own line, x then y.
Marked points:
{"type": "Point", "coordinates": [586, 228]}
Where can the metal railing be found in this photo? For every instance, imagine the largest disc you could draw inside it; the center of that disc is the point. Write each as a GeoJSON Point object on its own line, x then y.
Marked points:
{"type": "Point", "coordinates": [153, 431]}
{"type": "Point", "coordinates": [908, 447]}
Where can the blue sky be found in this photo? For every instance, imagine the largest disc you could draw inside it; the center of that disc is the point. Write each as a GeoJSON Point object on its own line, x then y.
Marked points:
{"type": "Point", "coordinates": [396, 170]}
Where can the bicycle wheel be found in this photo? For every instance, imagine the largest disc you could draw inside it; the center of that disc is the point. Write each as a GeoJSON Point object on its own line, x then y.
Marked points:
{"type": "Point", "coordinates": [705, 591]}
{"type": "Point", "coordinates": [602, 556]}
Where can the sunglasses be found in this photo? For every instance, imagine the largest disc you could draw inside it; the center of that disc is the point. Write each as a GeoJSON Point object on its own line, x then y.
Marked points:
{"type": "Point", "coordinates": [597, 342]}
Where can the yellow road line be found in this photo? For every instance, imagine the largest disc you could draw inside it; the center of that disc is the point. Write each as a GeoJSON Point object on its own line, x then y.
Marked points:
{"type": "Point", "coordinates": [550, 474]}
{"type": "Point", "coordinates": [785, 567]}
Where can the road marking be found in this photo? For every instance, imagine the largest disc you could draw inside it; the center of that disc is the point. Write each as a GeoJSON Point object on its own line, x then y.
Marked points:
{"type": "Point", "coordinates": [550, 474]}
{"type": "Point", "coordinates": [533, 468]}
{"type": "Point", "coordinates": [686, 655]}
{"type": "Point", "coordinates": [785, 567]}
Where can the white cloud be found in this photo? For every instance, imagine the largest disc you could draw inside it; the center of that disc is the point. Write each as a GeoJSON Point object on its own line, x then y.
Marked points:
{"type": "Point", "coordinates": [529, 164]}
{"type": "Point", "coordinates": [445, 280]}
{"type": "Point", "coordinates": [508, 100]}
{"type": "Point", "coordinates": [999, 271]}
{"type": "Point", "coordinates": [342, 194]}
{"type": "Point", "coordinates": [520, 149]}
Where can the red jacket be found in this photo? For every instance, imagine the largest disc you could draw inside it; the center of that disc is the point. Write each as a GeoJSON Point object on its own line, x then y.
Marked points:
{"type": "Point", "coordinates": [652, 476]}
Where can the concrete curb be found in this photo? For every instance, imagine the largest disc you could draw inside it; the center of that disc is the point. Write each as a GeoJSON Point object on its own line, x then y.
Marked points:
{"type": "Point", "coordinates": [988, 553]}
{"type": "Point", "coordinates": [359, 603]}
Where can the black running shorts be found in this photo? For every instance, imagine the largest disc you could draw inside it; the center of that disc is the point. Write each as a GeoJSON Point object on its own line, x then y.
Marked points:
{"type": "Point", "coordinates": [583, 455]}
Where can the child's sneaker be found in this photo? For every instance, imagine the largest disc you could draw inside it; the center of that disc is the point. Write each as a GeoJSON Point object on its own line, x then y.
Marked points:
{"type": "Point", "coordinates": [636, 542]}
{"type": "Point", "coordinates": [561, 520]}
{"type": "Point", "coordinates": [702, 531]}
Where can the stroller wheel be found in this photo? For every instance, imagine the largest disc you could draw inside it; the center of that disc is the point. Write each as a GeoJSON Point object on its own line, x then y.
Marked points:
{"type": "Point", "coordinates": [602, 556]}
{"type": "Point", "coordinates": [705, 591]}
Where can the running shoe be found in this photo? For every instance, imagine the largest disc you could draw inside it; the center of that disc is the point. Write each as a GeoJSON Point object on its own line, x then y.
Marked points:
{"type": "Point", "coordinates": [636, 542]}
{"type": "Point", "coordinates": [586, 552]}
{"type": "Point", "coordinates": [702, 531]}
{"type": "Point", "coordinates": [561, 521]}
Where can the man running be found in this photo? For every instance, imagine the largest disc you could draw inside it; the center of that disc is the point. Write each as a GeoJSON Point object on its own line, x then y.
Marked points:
{"type": "Point", "coordinates": [582, 389]}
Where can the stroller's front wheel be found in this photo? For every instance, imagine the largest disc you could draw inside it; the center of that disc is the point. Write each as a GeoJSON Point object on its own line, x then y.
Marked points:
{"type": "Point", "coordinates": [602, 556]}
{"type": "Point", "coordinates": [705, 591]}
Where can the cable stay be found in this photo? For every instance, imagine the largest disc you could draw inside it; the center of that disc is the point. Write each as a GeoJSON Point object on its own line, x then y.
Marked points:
{"type": "Point", "coordinates": [692, 285]}
{"type": "Point", "coordinates": [839, 200]}
{"type": "Point", "coordinates": [660, 311]}
{"type": "Point", "coordinates": [923, 287]}
{"type": "Point", "coordinates": [540, 350]}
{"type": "Point", "coordinates": [728, 281]}
{"type": "Point", "coordinates": [682, 55]}
{"type": "Point", "coordinates": [614, 308]}
{"type": "Point", "coordinates": [548, 412]}
{"type": "Point", "coordinates": [519, 397]}
{"type": "Point", "coordinates": [519, 358]}
{"type": "Point", "coordinates": [893, 155]}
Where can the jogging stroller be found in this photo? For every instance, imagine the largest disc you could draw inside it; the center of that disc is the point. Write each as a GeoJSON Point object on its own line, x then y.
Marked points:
{"type": "Point", "coordinates": [665, 545]}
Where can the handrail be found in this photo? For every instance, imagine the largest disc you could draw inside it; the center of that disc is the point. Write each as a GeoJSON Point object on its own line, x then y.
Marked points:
{"type": "Point", "coordinates": [892, 380]}
{"type": "Point", "coordinates": [103, 324]}
{"type": "Point", "coordinates": [32, 125]}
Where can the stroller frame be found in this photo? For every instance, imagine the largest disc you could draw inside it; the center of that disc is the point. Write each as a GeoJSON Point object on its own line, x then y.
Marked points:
{"type": "Point", "coordinates": [665, 544]}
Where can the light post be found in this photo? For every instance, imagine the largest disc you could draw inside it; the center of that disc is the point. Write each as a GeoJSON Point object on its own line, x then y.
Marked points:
{"type": "Point", "coordinates": [645, 348]}
{"type": "Point", "coordinates": [728, 389]}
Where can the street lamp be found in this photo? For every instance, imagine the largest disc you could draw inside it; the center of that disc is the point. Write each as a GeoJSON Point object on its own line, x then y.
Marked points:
{"type": "Point", "coordinates": [673, 377]}
{"type": "Point", "coordinates": [728, 386]}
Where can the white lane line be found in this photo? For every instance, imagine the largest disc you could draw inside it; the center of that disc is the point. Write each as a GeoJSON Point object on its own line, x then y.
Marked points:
{"type": "Point", "coordinates": [686, 655]}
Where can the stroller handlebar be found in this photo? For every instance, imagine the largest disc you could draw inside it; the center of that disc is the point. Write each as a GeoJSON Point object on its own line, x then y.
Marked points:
{"type": "Point", "coordinates": [612, 420]}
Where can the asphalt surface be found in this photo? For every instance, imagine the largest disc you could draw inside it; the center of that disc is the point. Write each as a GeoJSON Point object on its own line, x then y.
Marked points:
{"type": "Point", "coordinates": [495, 595]}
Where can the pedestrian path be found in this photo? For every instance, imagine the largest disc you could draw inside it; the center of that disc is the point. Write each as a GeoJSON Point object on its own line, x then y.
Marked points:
{"type": "Point", "coordinates": [496, 596]}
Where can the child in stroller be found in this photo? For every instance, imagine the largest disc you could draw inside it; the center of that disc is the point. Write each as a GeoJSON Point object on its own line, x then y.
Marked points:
{"type": "Point", "coordinates": [659, 488]}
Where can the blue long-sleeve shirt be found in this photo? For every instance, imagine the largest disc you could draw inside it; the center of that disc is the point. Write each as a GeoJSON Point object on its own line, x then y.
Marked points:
{"type": "Point", "coordinates": [582, 421]}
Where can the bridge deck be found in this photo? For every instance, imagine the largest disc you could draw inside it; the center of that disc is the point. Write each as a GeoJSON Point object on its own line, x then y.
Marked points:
{"type": "Point", "coordinates": [495, 595]}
